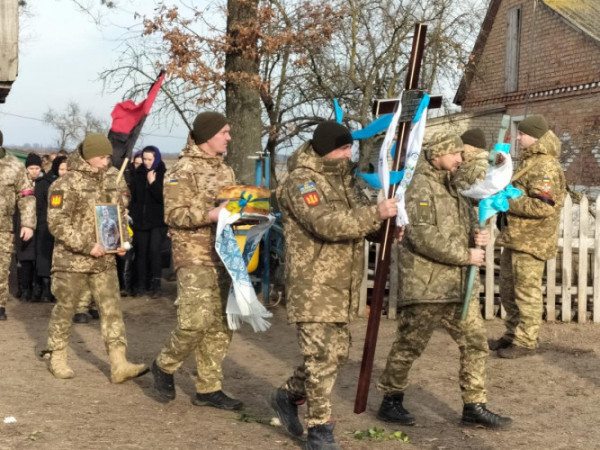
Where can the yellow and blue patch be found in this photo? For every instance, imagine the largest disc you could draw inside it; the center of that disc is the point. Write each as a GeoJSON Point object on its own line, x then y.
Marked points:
{"type": "Point", "coordinates": [173, 182]}
{"type": "Point", "coordinates": [309, 193]}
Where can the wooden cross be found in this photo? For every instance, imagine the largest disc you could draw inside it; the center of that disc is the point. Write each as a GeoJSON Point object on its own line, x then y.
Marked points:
{"type": "Point", "coordinates": [410, 102]}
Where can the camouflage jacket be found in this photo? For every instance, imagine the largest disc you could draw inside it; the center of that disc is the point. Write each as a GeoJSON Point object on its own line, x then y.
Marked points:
{"type": "Point", "coordinates": [325, 220]}
{"type": "Point", "coordinates": [72, 217]}
{"type": "Point", "coordinates": [191, 188]}
{"type": "Point", "coordinates": [474, 167]}
{"type": "Point", "coordinates": [533, 218]}
{"type": "Point", "coordinates": [16, 189]}
{"type": "Point", "coordinates": [434, 253]}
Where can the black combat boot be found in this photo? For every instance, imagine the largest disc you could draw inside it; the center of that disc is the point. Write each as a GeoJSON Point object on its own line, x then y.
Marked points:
{"type": "Point", "coordinates": [497, 344]}
{"type": "Point", "coordinates": [285, 404]}
{"type": "Point", "coordinates": [155, 291]}
{"type": "Point", "coordinates": [46, 296]}
{"type": "Point", "coordinates": [80, 318]}
{"type": "Point", "coordinates": [218, 399]}
{"type": "Point", "coordinates": [2, 313]}
{"type": "Point", "coordinates": [94, 313]}
{"type": "Point", "coordinates": [391, 410]}
{"type": "Point", "coordinates": [478, 414]}
{"type": "Point", "coordinates": [36, 293]}
{"type": "Point", "coordinates": [164, 382]}
{"type": "Point", "coordinates": [320, 437]}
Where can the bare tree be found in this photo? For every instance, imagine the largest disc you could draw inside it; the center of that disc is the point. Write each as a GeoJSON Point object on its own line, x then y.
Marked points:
{"type": "Point", "coordinates": [72, 125]}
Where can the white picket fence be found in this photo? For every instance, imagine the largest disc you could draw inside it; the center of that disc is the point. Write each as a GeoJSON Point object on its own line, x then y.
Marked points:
{"type": "Point", "coordinates": [571, 285]}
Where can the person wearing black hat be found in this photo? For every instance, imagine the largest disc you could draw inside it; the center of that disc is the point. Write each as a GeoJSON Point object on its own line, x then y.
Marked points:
{"type": "Point", "coordinates": [529, 235]}
{"type": "Point", "coordinates": [190, 192]}
{"type": "Point", "coordinates": [26, 249]}
{"type": "Point", "coordinates": [17, 191]}
{"type": "Point", "coordinates": [325, 220]}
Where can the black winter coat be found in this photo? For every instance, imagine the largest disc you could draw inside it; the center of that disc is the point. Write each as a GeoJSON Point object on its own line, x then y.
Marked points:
{"type": "Point", "coordinates": [44, 241]}
{"type": "Point", "coordinates": [147, 209]}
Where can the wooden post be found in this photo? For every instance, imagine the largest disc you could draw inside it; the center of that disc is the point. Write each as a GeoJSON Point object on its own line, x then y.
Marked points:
{"type": "Point", "coordinates": [551, 290]}
{"type": "Point", "coordinates": [388, 227]}
{"type": "Point", "coordinates": [582, 266]}
{"type": "Point", "coordinates": [596, 273]}
{"type": "Point", "coordinates": [567, 259]}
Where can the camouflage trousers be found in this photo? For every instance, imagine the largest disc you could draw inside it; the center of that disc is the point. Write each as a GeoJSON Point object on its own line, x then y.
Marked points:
{"type": "Point", "coordinates": [5, 259]}
{"type": "Point", "coordinates": [324, 347]}
{"type": "Point", "coordinates": [521, 296]}
{"type": "Point", "coordinates": [415, 327]}
{"type": "Point", "coordinates": [86, 302]}
{"type": "Point", "coordinates": [68, 287]}
{"type": "Point", "coordinates": [201, 325]}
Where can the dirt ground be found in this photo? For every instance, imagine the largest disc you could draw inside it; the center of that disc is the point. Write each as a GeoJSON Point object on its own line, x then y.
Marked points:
{"type": "Point", "coordinates": [553, 396]}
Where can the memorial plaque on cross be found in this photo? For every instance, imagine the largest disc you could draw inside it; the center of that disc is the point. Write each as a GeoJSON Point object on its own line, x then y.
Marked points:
{"type": "Point", "coordinates": [410, 102]}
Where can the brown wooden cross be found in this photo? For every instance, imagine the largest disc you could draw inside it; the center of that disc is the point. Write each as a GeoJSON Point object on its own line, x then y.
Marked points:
{"type": "Point", "coordinates": [410, 102]}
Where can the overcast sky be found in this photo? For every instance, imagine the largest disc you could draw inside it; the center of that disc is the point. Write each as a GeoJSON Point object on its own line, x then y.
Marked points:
{"type": "Point", "coordinates": [61, 54]}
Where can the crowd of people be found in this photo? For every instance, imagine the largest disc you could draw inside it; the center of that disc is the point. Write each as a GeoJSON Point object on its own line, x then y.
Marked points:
{"type": "Point", "coordinates": [139, 271]}
{"type": "Point", "coordinates": [326, 218]}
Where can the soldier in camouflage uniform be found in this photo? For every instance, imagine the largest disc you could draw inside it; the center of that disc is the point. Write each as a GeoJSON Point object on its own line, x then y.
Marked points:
{"type": "Point", "coordinates": [436, 251]}
{"type": "Point", "coordinates": [190, 191]}
{"type": "Point", "coordinates": [80, 263]}
{"type": "Point", "coordinates": [87, 303]}
{"type": "Point", "coordinates": [15, 189]}
{"type": "Point", "coordinates": [325, 220]}
{"type": "Point", "coordinates": [530, 236]}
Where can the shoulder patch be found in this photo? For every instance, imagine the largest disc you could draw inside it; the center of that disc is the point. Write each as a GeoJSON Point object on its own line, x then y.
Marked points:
{"type": "Point", "coordinates": [309, 193]}
{"type": "Point", "coordinates": [546, 186]}
{"type": "Point", "coordinates": [173, 182]}
{"type": "Point", "coordinates": [423, 203]}
{"type": "Point", "coordinates": [56, 199]}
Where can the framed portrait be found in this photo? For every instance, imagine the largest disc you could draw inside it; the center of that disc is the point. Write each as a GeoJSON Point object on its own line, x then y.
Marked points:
{"type": "Point", "coordinates": [108, 226]}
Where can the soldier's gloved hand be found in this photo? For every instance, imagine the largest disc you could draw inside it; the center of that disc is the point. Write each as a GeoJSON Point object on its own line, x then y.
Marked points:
{"type": "Point", "coordinates": [213, 214]}
{"type": "Point", "coordinates": [477, 257]}
{"type": "Point", "coordinates": [387, 208]}
{"type": "Point", "coordinates": [98, 251]}
{"type": "Point", "coordinates": [482, 237]}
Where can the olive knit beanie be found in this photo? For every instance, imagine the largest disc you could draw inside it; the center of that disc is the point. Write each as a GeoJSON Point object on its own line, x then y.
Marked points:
{"type": "Point", "coordinates": [534, 126]}
{"type": "Point", "coordinates": [329, 136]}
{"type": "Point", "coordinates": [96, 144]}
{"type": "Point", "coordinates": [206, 125]}
{"type": "Point", "coordinates": [474, 137]}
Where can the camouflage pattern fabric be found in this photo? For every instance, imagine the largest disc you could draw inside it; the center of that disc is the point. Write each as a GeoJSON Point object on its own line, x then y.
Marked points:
{"type": "Point", "coordinates": [325, 220]}
{"type": "Point", "coordinates": [201, 325]}
{"type": "Point", "coordinates": [324, 347]}
{"type": "Point", "coordinates": [71, 216]}
{"type": "Point", "coordinates": [434, 253]}
{"type": "Point", "coordinates": [5, 259]}
{"type": "Point", "coordinates": [441, 144]}
{"type": "Point", "coordinates": [533, 218]}
{"type": "Point", "coordinates": [67, 288]}
{"type": "Point", "coordinates": [85, 302]}
{"type": "Point", "coordinates": [15, 189]}
{"type": "Point", "coordinates": [521, 295]}
{"type": "Point", "coordinates": [190, 191]}
{"type": "Point", "coordinates": [474, 167]}
{"type": "Point", "coordinates": [415, 327]}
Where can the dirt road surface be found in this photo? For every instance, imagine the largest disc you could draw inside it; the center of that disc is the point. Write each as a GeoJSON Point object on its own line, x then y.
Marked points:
{"type": "Point", "coordinates": [553, 396]}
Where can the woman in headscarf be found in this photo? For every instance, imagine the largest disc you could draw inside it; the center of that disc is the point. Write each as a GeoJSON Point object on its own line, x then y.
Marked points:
{"type": "Point", "coordinates": [147, 212]}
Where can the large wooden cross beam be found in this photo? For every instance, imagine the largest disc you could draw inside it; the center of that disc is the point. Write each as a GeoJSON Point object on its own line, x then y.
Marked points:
{"type": "Point", "coordinates": [410, 102]}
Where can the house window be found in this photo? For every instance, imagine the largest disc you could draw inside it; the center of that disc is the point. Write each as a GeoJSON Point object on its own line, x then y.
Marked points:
{"type": "Point", "coordinates": [513, 45]}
